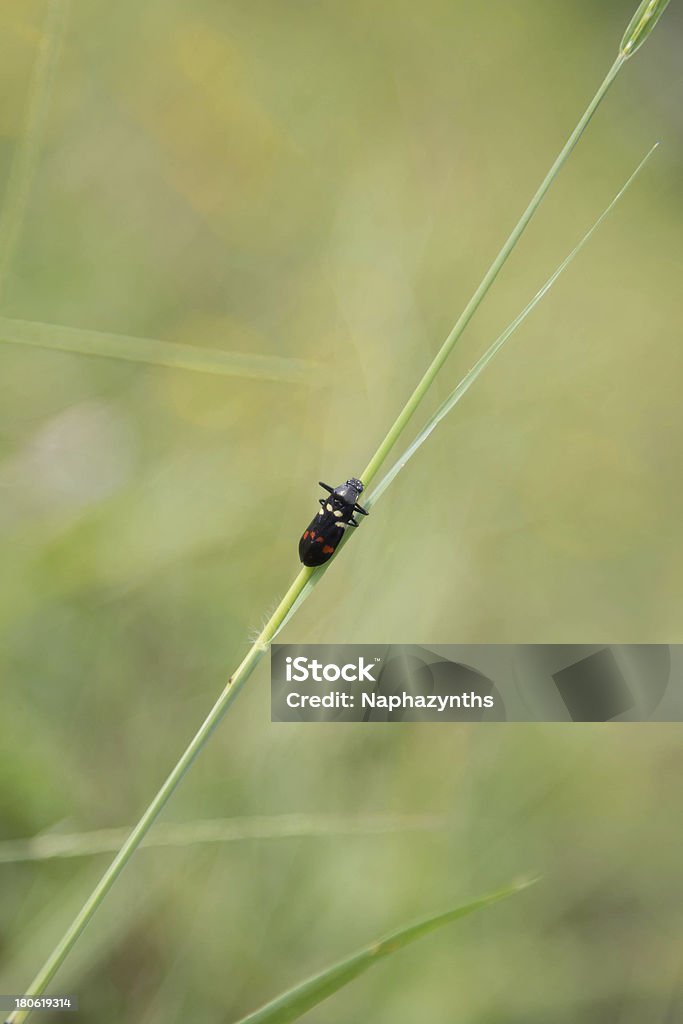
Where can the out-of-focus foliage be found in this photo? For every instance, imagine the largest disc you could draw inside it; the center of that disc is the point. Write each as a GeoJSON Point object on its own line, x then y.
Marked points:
{"type": "Point", "coordinates": [327, 182]}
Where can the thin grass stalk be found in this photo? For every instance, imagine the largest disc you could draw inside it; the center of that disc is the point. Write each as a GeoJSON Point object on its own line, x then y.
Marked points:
{"type": "Point", "coordinates": [468, 380]}
{"type": "Point", "coordinates": [491, 274]}
{"type": "Point", "coordinates": [230, 692]}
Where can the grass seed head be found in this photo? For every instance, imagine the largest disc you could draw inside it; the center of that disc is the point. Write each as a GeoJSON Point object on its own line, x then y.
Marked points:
{"type": "Point", "coordinates": [641, 24]}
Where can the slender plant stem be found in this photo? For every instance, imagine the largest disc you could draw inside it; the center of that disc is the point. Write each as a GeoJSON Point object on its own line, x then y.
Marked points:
{"type": "Point", "coordinates": [488, 279]}
{"type": "Point", "coordinates": [232, 688]}
{"type": "Point", "coordinates": [468, 380]}
{"type": "Point", "coordinates": [262, 643]}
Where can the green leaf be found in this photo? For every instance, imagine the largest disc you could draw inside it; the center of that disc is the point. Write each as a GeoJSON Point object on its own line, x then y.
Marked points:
{"type": "Point", "coordinates": [291, 1005]}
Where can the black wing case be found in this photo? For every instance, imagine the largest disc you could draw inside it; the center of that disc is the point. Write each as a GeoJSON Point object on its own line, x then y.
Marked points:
{"type": "Point", "coordinates": [320, 540]}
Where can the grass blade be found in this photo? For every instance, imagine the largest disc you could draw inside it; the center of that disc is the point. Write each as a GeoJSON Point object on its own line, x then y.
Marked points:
{"type": "Point", "coordinates": [53, 845]}
{"type": "Point", "coordinates": [297, 1001]}
{"type": "Point", "coordinates": [470, 377]}
{"type": "Point", "coordinates": [491, 274]}
{"type": "Point", "coordinates": [157, 353]}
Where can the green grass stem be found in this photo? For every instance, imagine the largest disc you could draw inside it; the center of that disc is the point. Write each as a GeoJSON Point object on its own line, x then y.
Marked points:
{"type": "Point", "coordinates": [491, 274]}
{"type": "Point", "coordinates": [481, 364]}
{"type": "Point", "coordinates": [137, 834]}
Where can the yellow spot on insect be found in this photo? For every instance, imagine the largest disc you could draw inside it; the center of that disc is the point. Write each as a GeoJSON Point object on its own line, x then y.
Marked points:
{"type": "Point", "coordinates": [328, 507]}
{"type": "Point", "coordinates": [338, 512]}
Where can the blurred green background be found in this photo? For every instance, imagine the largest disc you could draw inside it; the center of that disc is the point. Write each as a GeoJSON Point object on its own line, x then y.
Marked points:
{"type": "Point", "coordinates": [327, 183]}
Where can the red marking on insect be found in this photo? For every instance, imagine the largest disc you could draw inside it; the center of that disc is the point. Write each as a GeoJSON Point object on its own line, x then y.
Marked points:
{"type": "Point", "coordinates": [319, 539]}
{"type": "Point", "coordinates": [306, 535]}
{"type": "Point", "coordinates": [327, 550]}
{"type": "Point", "coordinates": [312, 535]}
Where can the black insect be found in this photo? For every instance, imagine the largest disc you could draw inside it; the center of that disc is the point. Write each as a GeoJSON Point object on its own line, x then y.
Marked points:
{"type": "Point", "coordinates": [320, 540]}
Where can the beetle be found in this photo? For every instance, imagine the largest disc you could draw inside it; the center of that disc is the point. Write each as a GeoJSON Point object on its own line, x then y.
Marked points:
{"type": "Point", "coordinates": [320, 540]}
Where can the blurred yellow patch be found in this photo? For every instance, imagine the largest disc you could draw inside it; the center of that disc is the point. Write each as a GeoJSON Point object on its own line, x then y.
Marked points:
{"type": "Point", "coordinates": [21, 31]}
{"type": "Point", "coordinates": [220, 142]}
